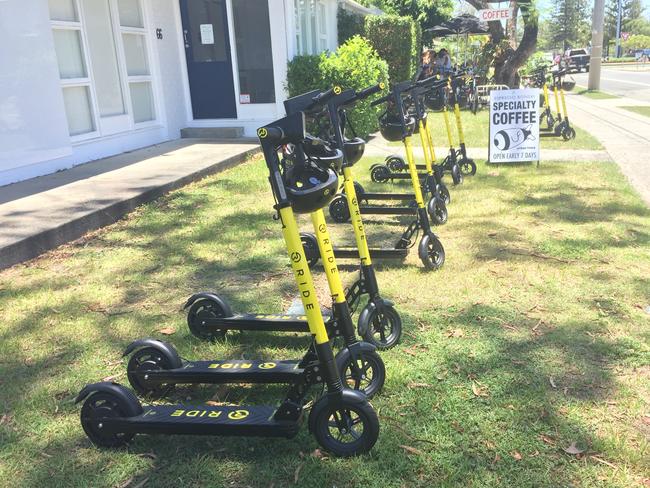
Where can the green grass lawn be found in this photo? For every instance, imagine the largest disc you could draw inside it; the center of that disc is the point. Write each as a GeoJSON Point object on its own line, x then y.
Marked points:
{"type": "Point", "coordinates": [476, 130]}
{"type": "Point", "coordinates": [595, 94]}
{"type": "Point", "coordinates": [643, 110]}
{"type": "Point", "coordinates": [533, 338]}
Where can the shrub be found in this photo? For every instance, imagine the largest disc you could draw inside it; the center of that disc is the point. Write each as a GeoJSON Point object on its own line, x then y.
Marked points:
{"type": "Point", "coordinates": [355, 64]}
{"type": "Point", "coordinates": [349, 25]}
{"type": "Point", "coordinates": [304, 74]}
{"type": "Point", "coordinates": [394, 39]}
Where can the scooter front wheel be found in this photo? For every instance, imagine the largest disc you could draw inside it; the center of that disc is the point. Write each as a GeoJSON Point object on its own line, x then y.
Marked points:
{"type": "Point", "coordinates": [568, 133]}
{"type": "Point", "coordinates": [366, 373]}
{"type": "Point", "coordinates": [384, 328]}
{"type": "Point", "coordinates": [102, 405]}
{"type": "Point", "coordinates": [199, 311]}
{"type": "Point", "coordinates": [431, 252]}
{"type": "Point", "coordinates": [437, 211]}
{"type": "Point", "coordinates": [444, 193]}
{"type": "Point", "coordinates": [456, 175]}
{"type": "Point", "coordinates": [344, 427]}
{"type": "Point", "coordinates": [468, 167]}
{"type": "Point", "coordinates": [339, 210]}
{"type": "Point", "coordinates": [310, 246]}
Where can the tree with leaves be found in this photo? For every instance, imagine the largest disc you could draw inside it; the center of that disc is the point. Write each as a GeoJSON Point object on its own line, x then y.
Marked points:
{"type": "Point", "coordinates": [504, 55]}
{"type": "Point", "coordinates": [569, 25]}
{"type": "Point", "coordinates": [427, 13]}
{"type": "Point", "coordinates": [632, 20]}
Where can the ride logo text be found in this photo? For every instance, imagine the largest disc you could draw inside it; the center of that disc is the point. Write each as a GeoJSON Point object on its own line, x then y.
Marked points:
{"type": "Point", "coordinates": [514, 125]}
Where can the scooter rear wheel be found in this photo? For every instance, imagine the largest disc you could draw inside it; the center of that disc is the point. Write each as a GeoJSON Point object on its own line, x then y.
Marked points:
{"type": "Point", "coordinates": [199, 311]}
{"type": "Point", "coordinates": [568, 133]}
{"type": "Point", "coordinates": [380, 174]}
{"type": "Point", "coordinates": [147, 359]}
{"type": "Point", "coordinates": [384, 329]}
{"type": "Point", "coordinates": [103, 405]}
{"type": "Point", "coordinates": [343, 427]}
{"type": "Point", "coordinates": [431, 252]}
{"type": "Point", "coordinates": [396, 164]}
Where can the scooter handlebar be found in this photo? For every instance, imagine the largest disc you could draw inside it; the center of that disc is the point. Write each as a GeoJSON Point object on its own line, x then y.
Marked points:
{"type": "Point", "coordinates": [381, 100]}
{"type": "Point", "coordinates": [273, 133]}
{"type": "Point", "coordinates": [324, 97]}
{"type": "Point", "coordinates": [371, 90]}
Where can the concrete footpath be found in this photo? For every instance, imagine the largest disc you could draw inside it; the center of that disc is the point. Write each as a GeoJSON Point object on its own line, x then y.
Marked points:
{"type": "Point", "coordinates": [624, 134]}
{"type": "Point", "coordinates": [42, 213]}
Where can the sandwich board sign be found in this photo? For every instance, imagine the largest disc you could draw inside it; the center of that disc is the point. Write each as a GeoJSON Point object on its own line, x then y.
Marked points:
{"type": "Point", "coordinates": [514, 125]}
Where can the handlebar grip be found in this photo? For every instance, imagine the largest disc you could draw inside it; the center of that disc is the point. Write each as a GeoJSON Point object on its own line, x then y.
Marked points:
{"type": "Point", "coordinates": [365, 93]}
{"type": "Point", "coordinates": [273, 133]}
{"type": "Point", "coordinates": [324, 97]}
{"type": "Point", "coordinates": [380, 100]}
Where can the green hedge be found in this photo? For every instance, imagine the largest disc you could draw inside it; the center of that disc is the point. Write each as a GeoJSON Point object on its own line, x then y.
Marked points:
{"type": "Point", "coordinates": [355, 64]}
{"type": "Point", "coordinates": [396, 40]}
{"type": "Point", "coordinates": [349, 25]}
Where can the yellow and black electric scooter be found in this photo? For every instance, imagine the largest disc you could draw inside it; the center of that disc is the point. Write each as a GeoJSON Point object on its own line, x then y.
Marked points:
{"type": "Point", "coordinates": [558, 126]}
{"type": "Point", "coordinates": [395, 125]}
{"type": "Point", "coordinates": [394, 166]}
{"type": "Point", "coordinates": [379, 323]}
{"type": "Point", "coordinates": [342, 420]}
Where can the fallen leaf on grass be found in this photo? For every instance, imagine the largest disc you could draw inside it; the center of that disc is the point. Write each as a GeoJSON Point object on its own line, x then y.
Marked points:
{"type": "Point", "coordinates": [411, 450]}
{"type": "Point", "coordinates": [455, 333]}
{"type": "Point", "coordinates": [410, 386]}
{"type": "Point", "coordinates": [46, 455]}
{"type": "Point", "coordinates": [125, 483]}
{"type": "Point", "coordinates": [552, 382]}
{"type": "Point", "coordinates": [646, 419]}
{"type": "Point", "coordinates": [318, 454]}
{"type": "Point", "coordinates": [573, 449]}
{"type": "Point", "coordinates": [111, 378]}
{"type": "Point", "coordinates": [516, 455]}
{"type": "Point", "coordinates": [148, 455]}
{"type": "Point", "coordinates": [212, 403]}
{"type": "Point", "coordinates": [534, 454]}
{"type": "Point", "coordinates": [167, 331]}
{"type": "Point", "coordinates": [490, 445]}
{"type": "Point", "coordinates": [492, 234]}
{"type": "Point", "coordinates": [479, 390]}
{"type": "Point", "coordinates": [546, 439]}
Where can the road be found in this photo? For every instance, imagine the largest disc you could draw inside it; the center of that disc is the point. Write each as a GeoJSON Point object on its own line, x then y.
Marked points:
{"type": "Point", "coordinates": [631, 82]}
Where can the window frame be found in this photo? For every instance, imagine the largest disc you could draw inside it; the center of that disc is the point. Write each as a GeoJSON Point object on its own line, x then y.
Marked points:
{"type": "Point", "coordinates": [125, 80]}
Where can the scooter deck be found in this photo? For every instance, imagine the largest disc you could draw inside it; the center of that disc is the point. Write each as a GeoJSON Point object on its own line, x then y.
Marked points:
{"type": "Point", "coordinates": [229, 371]}
{"type": "Point", "coordinates": [205, 420]}
{"type": "Point", "coordinates": [250, 321]}
{"type": "Point", "coordinates": [387, 196]}
{"type": "Point", "coordinates": [381, 210]}
{"type": "Point", "coordinates": [376, 253]}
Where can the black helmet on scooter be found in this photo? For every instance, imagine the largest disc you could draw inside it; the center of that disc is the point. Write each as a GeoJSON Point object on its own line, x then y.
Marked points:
{"type": "Point", "coordinates": [435, 100]}
{"type": "Point", "coordinates": [391, 127]}
{"type": "Point", "coordinates": [310, 186]}
{"type": "Point", "coordinates": [353, 149]}
{"type": "Point", "coordinates": [322, 154]}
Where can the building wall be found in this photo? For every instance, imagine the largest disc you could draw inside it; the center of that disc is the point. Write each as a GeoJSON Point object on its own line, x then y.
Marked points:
{"type": "Point", "coordinates": [34, 138]}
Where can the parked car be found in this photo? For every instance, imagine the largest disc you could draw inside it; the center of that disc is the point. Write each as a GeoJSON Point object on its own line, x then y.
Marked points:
{"type": "Point", "coordinates": [577, 60]}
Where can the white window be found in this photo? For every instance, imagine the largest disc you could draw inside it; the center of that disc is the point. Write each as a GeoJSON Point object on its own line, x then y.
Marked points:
{"type": "Point", "coordinates": [103, 58]}
{"type": "Point", "coordinates": [311, 22]}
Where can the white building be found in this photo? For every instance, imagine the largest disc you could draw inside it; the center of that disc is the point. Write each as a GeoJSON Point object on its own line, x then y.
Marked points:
{"type": "Point", "coordinates": [86, 79]}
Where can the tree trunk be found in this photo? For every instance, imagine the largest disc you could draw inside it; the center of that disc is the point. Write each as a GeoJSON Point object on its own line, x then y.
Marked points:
{"type": "Point", "coordinates": [507, 58]}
